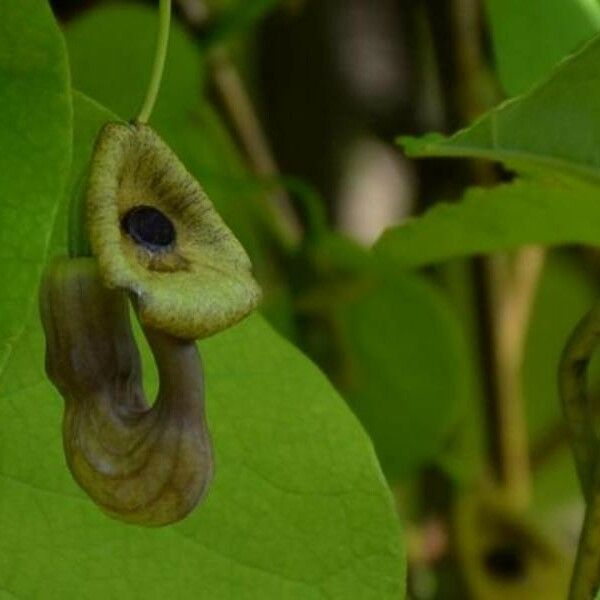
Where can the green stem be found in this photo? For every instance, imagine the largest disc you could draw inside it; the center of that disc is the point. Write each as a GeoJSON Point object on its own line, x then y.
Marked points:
{"type": "Point", "coordinates": [579, 415]}
{"type": "Point", "coordinates": [160, 55]}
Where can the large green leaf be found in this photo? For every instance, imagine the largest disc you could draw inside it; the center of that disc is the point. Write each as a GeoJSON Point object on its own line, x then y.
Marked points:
{"type": "Point", "coordinates": [521, 32]}
{"type": "Point", "coordinates": [35, 138]}
{"type": "Point", "coordinates": [298, 508]}
{"type": "Point", "coordinates": [553, 129]}
{"type": "Point", "coordinates": [497, 219]}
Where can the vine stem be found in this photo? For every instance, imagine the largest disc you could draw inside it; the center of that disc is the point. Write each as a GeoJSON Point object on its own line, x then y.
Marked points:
{"type": "Point", "coordinates": [509, 282]}
{"type": "Point", "coordinates": [162, 41]}
{"type": "Point", "coordinates": [584, 442]}
{"type": "Point", "coordinates": [513, 284]}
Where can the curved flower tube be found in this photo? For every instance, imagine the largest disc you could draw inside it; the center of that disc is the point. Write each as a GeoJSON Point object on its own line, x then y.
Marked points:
{"type": "Point", "coordinates": [140, 464]}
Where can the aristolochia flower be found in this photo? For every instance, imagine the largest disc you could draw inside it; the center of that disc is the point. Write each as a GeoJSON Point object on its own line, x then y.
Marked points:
{"type": "Point", "coordinates": [156, 234]}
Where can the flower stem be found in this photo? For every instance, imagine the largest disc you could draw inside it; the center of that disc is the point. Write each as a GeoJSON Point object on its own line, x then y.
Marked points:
{"type": "Point", "coordinates": [160, 55]}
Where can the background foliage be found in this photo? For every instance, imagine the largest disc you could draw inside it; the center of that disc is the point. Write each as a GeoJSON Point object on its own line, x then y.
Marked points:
{"type": "Point", "coordinates": [393, 409]}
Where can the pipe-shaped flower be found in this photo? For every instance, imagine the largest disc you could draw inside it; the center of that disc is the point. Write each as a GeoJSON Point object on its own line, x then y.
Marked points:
{"type": "Point", "coordinates": [145, 465]}
{"type": "Point", "coordinates": [156, 235]}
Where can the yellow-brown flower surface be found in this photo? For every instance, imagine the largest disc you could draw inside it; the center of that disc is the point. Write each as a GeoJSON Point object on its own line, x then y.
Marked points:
{"type": "Point", "coordinates": [156, 234]}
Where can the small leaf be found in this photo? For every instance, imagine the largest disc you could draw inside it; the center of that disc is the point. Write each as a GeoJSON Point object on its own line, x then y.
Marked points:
{"type": "Point", "coordinates": [552, 131]}
{"type": "Point", "coordinates": [497, 219]}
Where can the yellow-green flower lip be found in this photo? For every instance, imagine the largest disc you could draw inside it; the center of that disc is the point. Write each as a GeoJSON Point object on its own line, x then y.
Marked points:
{"type": "Point", "coordinates": [193, 287]}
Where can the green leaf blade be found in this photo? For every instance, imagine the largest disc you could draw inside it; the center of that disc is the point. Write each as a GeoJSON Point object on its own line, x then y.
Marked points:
{"type": "Point", "coordinates": [551, 130]}
{"type": "Point", "coordinates": [298, 509]}
{"type": "Point", "coordinates": [35, 137]}
{"type": "Point", "coordinates": [497, 219]}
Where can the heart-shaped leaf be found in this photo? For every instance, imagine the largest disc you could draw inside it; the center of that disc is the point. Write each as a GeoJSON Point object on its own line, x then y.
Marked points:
{"type": "Point", "coordinates": [298, 508]}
